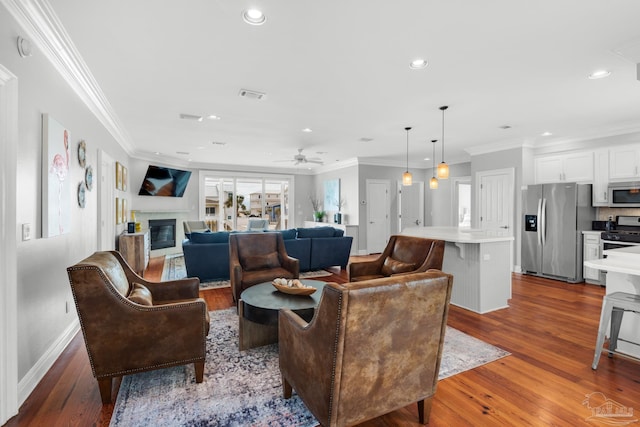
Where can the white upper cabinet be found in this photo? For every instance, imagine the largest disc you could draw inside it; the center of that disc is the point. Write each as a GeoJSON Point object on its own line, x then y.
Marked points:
{"type": "Point", "coordinates": [601, 178]}
{"type": "Point", "coordinates": [624, 163]}
{"type": "Point", "coordinates": [573, 167]}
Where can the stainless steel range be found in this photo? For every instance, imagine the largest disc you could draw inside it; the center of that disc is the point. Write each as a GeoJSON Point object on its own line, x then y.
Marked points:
{"type": "Point", "coordinates": [627, 233]}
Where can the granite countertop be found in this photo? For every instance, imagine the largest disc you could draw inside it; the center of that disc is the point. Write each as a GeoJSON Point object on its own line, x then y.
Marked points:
{"type": "Point", "coordinates": [458, 235]}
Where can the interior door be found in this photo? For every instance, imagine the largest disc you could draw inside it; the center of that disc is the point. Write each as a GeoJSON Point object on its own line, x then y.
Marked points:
{"type": "Point", "coordinates": [496, 201]}
{"type": "Point", "coordinates": [378, 209]}
{"type": "Point", "coordinates": [411, 205]}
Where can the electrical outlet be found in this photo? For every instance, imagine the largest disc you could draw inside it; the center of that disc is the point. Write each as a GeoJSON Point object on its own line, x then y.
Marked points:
{"type": "Point", "coordinates": [26, 232]}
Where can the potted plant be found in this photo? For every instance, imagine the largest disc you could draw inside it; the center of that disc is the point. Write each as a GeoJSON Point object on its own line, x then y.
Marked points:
{"type": "Point", "coordinates": [318, 213]}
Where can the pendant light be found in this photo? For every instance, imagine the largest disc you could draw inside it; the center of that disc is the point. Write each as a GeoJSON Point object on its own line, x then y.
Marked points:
{"type": "Point", "coordinates": [407, 179]}
{"type": "Point", "coordinates": [443, 168]}
{"type": "Point", "coordinates": [433, 183]}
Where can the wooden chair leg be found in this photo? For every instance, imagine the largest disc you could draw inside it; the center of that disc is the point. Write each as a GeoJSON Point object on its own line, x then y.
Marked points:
{"type": "Point", "coordinates": [104, 384]}
{"type": "Point", "coordinates": [286, 388]}
{"type": "Point", "coordinates": [199, 371]}
{"type": "Point", "coordinates": [424, 410]}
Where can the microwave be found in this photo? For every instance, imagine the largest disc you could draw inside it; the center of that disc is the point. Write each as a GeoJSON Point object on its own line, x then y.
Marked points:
{"type": "Point", "coordinates": [624, 195]}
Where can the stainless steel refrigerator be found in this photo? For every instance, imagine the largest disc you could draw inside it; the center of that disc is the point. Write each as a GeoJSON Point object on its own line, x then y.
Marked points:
{"type": "Point", "coordinates": [554, 217]}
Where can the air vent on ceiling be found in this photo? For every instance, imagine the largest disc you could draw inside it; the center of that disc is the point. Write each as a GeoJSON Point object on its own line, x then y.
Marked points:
{"type": "Point", "coordinates": [190, 117]}
{"type": "Point", "coordinates": [252, 94]}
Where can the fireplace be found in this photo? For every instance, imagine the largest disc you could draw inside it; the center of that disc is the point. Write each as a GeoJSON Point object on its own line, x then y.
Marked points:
{"type": "Point", "coordinates": [163, 233]}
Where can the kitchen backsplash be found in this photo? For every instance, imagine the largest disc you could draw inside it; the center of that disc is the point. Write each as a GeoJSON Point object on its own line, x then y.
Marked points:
{"type": "Point", "coordinates": [603, 214]}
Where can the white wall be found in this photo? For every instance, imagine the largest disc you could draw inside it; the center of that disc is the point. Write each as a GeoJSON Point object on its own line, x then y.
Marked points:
{"type": "Point", "coordinates": [439, 203]}
{"type": "Point", "coordinates": [42, 283]}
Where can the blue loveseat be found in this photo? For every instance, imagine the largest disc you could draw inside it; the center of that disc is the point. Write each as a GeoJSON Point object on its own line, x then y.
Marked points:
{"type": "Point", "coordinates": [206, 254]}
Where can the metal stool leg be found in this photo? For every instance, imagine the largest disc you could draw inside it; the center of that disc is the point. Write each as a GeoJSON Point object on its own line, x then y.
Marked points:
{"type": "Point", "coordinates": [605, 316]}
{"type": "Point", "coordinates": [616, 320]}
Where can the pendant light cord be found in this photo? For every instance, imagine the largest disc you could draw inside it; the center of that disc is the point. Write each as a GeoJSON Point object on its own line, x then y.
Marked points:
{"type": "Point", "coordinates": [443, 108]}
{"type": "Point", "coordinates": [407, 129]}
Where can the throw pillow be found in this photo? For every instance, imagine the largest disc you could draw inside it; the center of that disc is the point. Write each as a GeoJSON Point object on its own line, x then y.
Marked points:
{"type": "Point", "coordinates": [261, 262]}
{"type": "Point", "coordinates": [140, 294]}
{"type": "Point", "coordinates": [393, 266]}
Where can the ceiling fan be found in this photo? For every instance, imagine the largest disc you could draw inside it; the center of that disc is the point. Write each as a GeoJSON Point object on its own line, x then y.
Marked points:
{"type": "Point", "coordinates": [301, 159]}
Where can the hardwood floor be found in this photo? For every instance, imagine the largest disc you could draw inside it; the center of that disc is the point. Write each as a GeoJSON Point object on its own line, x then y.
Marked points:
{"type": "Point", "coordinates": [550, 329]}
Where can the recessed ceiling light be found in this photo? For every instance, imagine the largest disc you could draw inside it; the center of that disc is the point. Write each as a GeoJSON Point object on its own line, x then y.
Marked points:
{"type": "Point", "coordinates": [253, 17]}
{"type": "Point", "coordinates": [213, 117]}
{"type": "Point", "coordinates": [157, 153]}
{"type": "Point", "coordinates": [547, 134]}
{"type": "Point", "coordinates": [600, 74]}
{"type": "Point", "coordinates": [307, 130]}
{"type": "Point", "coordinates": [418, 64]}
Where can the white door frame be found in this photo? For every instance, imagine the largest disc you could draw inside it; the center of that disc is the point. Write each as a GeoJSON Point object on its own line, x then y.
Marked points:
{"type": "Point", "coordinates": [455, 196]}
{"type": "Point", "coordinates": [8, 246]}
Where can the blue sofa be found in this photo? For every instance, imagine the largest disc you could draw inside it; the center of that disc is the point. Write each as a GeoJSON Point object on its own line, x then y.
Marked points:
{"type": "Point", "coordinates": [206, 254]}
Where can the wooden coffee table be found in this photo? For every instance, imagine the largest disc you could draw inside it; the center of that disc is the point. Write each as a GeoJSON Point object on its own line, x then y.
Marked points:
{"type": "Point", "coordinates": [258, 311]}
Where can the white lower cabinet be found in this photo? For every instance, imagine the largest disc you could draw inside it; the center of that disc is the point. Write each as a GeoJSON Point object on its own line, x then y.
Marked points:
{"type": "Point", "coordinates": [591, 251]}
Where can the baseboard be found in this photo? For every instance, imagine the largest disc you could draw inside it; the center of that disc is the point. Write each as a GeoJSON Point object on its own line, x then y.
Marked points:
{"type": "Point", "coordinates": [42, 366]}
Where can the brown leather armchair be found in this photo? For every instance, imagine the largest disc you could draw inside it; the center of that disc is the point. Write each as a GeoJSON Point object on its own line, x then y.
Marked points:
{"type": "Point", "coordinates": [132, 325]}
{"type": "Point", "coordinates": [256, 258]}
{"type": "Point", "coordinates": [372, 347]}
{"type": "Point", "coordinates": [403, 255]}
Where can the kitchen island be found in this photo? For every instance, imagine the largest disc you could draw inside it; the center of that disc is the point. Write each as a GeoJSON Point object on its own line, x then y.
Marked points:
{"type": "Point", "coordinates": [623, 275]}
{"type": "Point", "coordinates": [480, 261]}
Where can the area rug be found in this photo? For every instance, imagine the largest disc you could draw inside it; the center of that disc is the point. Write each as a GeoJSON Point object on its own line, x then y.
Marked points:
{"type": "Point", "coordinates": [244, 388]}
{"type": "Point", "coordinates": [174, 268]}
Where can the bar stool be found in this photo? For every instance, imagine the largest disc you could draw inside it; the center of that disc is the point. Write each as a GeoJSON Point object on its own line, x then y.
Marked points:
{"type": "Point", "coordinates": [613, 307]}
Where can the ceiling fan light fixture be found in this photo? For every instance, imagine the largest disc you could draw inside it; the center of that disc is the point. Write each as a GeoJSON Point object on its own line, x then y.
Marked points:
{"type": "Point", "coordinates": [407, 178]}
{"type": "Point", "coordinates": [253, 17]}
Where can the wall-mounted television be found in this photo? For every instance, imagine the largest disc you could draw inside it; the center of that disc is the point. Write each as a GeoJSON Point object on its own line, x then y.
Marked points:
{"type": "Point", "coordinates": [161, 181]}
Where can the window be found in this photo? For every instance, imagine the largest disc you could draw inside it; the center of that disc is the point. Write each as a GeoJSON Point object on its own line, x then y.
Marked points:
{"type": "Point", "coordinates": [229, 202]}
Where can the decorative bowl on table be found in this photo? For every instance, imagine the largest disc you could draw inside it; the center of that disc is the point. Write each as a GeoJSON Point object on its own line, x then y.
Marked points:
{"type": "Point", "coordinates": [292, 287]}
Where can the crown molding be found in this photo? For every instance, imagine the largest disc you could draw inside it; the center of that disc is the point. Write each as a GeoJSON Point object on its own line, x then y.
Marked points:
{"type": "Point", "coordinates": [497, 146]}
{"type": "Point", "coordinates": [43, 27]}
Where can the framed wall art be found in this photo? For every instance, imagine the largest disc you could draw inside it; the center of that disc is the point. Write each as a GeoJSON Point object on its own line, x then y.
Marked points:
{"type": "Point", "coordinates": [123, 217]}
{"type": "Point", "coordinates": [118, 176]}
{"type": "Point", "coordinates": [332, 195]}
{"type": "Point", "coordinates": [118, 211]}
{"type": "Point", "coordinates": [124, 179]}
{"type": "Point", "coordinates": [56, 182]}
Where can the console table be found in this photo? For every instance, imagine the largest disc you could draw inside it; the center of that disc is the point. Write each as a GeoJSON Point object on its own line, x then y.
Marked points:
{"type": "Point", "coordinates": [135, 249]}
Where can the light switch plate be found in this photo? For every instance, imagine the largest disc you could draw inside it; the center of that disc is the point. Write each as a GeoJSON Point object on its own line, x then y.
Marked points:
{"type": "Point", "coordinates": [26, 232]}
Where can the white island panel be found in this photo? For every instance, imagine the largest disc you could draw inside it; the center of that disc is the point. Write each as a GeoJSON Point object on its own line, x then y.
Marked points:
{"type": "Point", "coordinates": [623, 275]}
{"type": "Point", "coordinates": [480, 262]}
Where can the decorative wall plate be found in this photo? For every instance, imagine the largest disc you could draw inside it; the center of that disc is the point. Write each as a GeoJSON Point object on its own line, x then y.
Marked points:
{"type": "Point", "coordinates": [88, 178]}
{"type": "Point", "coordinates": [82, 153]}
{"type": "Point", "coordinates": [81, 191]}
